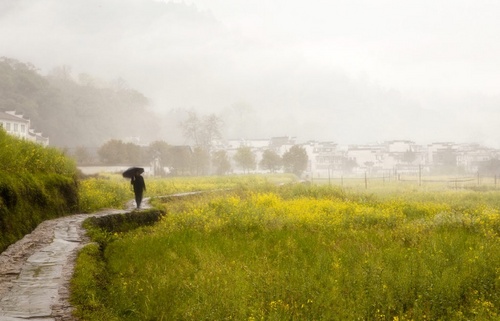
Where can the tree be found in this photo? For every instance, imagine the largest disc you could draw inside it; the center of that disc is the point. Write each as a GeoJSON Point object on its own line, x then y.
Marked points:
{"type": "Point", "coordinates": [158, 153]}
{"type": "Point", "coordinates": [409, 156]}
{"type": "Point", "coordinates": [22, 89]}
{"type": "Point", "coordinates": [158, 148]}
{"type": "Point", "coordinates": [116, 152]}
{"type": "Point", "coordinates": [200, 161]}
{"type": "Point", "coordinates": [82, 155]}
{"type": "Point", "coordinates": [112, 152]}
{"type": "Point", "coordinates": [211, 129]}
{"type": "Point", "coordinates": [134, 154]}
{"type": "Point", "coordinates": [245, 158]}
{"type": "Point", "coordinates": [191, 128]}
{"type": "Point", "coordinates": [180, 159]}
{"type": "Point", "coordinates": [61, 72]}
{"type": "Point", "coordinates": [270, 160]}
{"type": "Point", "coordinates": [202, 131]}
{"type": "Point", "coordinates": [220, 160]}
{"type": "Point", "coordinates": [295, 160]}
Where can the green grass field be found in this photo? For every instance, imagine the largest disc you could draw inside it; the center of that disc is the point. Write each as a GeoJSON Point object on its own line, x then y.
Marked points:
{"type": "Point", "coordinates": [301, 252]}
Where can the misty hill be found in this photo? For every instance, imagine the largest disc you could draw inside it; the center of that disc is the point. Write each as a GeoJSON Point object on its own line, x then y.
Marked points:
{"type": "Point", "coordinates": [74, 113]}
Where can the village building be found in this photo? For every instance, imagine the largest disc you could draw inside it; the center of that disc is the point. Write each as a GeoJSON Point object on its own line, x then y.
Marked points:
{"type": "Point", "coordinates": [368, 158]}
{"type": "Point", "coordinates": [388, 159]}
{"type": "Point", "coordinates": [325, 158]}
{"type": "Point", "coordinates": [19, 126]}
{"type": "Point", "coordinates": [471, 156]}
{"type": "Point", "coordinates": [394, 158]}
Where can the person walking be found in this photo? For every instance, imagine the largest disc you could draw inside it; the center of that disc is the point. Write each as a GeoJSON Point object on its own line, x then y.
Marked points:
{"type": "Point", "coordinates": [139, 186]}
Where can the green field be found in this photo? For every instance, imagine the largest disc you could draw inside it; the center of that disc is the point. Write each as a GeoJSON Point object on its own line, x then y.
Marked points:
{"type": "Point", "coordinates": [300, 252]}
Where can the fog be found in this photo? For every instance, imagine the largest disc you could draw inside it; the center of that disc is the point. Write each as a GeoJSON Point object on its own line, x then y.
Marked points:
{"type": "Point", "coordinates": [354, 71]}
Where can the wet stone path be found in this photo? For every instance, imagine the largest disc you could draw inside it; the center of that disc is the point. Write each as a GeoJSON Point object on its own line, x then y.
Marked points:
{"type": "Point", "coordinates": [36, 271]}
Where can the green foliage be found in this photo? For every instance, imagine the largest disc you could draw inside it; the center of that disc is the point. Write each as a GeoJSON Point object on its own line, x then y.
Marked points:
{"type": "Point", "coordinates": [270, 161]}
{"type": "Point", "coordinates": [126, 221]}
{"type": "Point", "coordinates": [245, 158]}
{"type": "Point", "coordinates": [116, 151]}
{"type": "Point", "coordinates": [88, 285]}
{"type": "Point", "coordinates": [305, 252]}
{"type": "Point", "coordinates": [113, 191]}
{"type": "Point", "coordinates": [19, 156]}
{"type": "Point", "coordinates": [200, 162]}
{"type": "Point", "coordinates": [180, 159]}
{"type": "Point", "coordinates": [100, 192]}
{"type": "Point", "coordinates": [36, 184]}
{"type": "Point", "coordinates": [82, 156]}
{"type": "Point", "coordinates": [221, 162]}
{"type": "Point", "coordinates": [26, 200]}
{"type": "Point", "coordinates": [159, 148]}
{"type": "Point", "coordinates": [21, 88]}
{"type": "Point", "coordinates": [295, 160]}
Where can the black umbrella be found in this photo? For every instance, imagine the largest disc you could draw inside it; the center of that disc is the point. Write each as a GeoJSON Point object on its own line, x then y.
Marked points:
{"type": "Point", "coordinates": [130, 172]}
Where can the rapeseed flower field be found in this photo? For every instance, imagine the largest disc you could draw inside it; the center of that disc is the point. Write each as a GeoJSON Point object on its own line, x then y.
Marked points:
{"type": "Point", "coordinates": [303, 252]}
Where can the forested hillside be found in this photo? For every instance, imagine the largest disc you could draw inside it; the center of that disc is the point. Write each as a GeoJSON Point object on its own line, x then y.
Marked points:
{"type": "Point", "coordinates": [75, 112]}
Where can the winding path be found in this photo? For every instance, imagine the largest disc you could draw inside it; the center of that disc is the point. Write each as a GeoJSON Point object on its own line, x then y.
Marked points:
{"type": "Point", "coordinates": [35, 272]}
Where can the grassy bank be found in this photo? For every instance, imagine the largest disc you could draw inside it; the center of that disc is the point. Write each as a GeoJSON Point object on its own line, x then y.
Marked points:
{"type": "Point", "coordinates": [36, 184]}
{"type": "Point", "coordinates": [303, 253]}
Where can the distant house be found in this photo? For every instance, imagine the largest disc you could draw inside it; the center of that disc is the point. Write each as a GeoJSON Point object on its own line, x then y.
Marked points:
{"type": "Point", "coordinates": [252, 143]}
{"type": "Point", "coordinates": [401, 156]}
{"type": "Point", "coordinates": [471, 156]}
{"type": "Point", "coordinates": [368, 157]}
{"type": "Point", "coordinates": [18, 126]}
{"type": "Point", "coordinates": [325, 158]}
{"type": "Point", "coordinates": [281, 144]}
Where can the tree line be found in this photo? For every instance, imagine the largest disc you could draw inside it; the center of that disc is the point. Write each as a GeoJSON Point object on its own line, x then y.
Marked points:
{"type": "Point", "coordinates": [194, 160]}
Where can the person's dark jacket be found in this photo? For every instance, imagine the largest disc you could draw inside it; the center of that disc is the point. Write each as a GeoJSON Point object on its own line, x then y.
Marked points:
{"type": "Point", "coordinates": [138, 184]}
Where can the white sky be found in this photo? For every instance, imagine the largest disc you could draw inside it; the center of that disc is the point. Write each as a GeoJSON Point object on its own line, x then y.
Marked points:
{"type": "Point", "coordinates": [351, 71]}
{"type": "Point", "coordinates": [450, 45]}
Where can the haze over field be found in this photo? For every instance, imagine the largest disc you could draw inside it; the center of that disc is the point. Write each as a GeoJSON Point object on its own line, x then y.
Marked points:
{"type": "Point", "coordinates": [349, 71]}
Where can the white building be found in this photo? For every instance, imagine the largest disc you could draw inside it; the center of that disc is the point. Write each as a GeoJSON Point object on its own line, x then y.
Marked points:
{"type": "Point", "coordinates": [325, 158]}
{"type": "Point", "coordinates": [18, 126]}
{"type": "Point", "coordinates": [367, 157]}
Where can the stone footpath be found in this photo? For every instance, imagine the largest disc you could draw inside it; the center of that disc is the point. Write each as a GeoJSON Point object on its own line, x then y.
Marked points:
{"type": "Point", "coordinates": [35, 272]}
